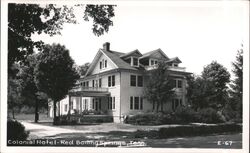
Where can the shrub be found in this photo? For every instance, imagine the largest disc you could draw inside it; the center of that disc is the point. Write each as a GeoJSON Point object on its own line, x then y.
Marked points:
{"type": "Point", "coordinates": [144, 119]}
{"type": "Point", "coordinates": [185, 115]}
{"type": "Point", "coordinates": [209, 115]}
{"type": "Point", "coordinates": [16, 131]}
{"type": "Point", "coordinates": [198, 130]}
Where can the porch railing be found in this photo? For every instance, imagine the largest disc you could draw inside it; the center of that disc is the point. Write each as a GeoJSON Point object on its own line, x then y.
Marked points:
{"type": "Point", "coordinates": [173, 68]}
{"type": "Point", "coordinates": [98, 89]}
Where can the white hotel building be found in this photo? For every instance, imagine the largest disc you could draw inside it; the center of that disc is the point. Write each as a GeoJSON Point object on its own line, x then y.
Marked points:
{"type": "Point", "coordinates": [115, 81]}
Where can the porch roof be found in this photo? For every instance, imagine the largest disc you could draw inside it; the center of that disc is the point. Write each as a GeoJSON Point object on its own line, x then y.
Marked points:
{"type": "Point", "coordinates": [89, 92]}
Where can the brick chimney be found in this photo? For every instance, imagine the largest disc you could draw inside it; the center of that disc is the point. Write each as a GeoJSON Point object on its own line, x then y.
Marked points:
{"type": "Point", "coordinates": [106, 46]}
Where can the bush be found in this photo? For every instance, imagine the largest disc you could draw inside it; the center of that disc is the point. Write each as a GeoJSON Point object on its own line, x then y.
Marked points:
{"type": "Point", "coordinates": [186, 115]}
{"type": "Point", "coordinates": [209, 115]}
{"type": "Point", "coordinates": [198, 130]}
{"type": "Point", "coordinates": [16, 131]}
{"type": "Point", "coordinates": [82, 119]}
{"type": "Point", "coordinates": [144, 119]}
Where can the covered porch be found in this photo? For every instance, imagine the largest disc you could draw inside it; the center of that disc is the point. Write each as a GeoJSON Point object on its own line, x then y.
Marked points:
{"type": "Point", "coordinates": [84, 100]}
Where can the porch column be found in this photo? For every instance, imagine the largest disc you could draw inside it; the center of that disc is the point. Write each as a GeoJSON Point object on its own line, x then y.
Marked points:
{"type": "Point", "coordinates": [69, 105]}
{"type": "Point", "coordinates": [80, 105]}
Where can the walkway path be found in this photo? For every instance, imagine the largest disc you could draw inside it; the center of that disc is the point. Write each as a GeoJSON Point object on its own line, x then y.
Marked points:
{"type": "Point", "coordinates": [41, 131]}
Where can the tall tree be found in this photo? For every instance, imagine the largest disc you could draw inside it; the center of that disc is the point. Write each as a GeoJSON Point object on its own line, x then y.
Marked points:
{"type": "Point", "coordinates": [27, 19]}
{"type": "Point", "coordinates": [216, 77]}
{"type": "Point", "coordinates": [14, 93]}
{"type": "Point", "coordinates": [198, 91]}
{"type": "Point", "coordinates": [54, 73]}
{"type": "Point", "coordinates": [30, 94]}
{"type": "Point", "coordinates": [237, 84]}
{"type": "Point", "coordinates": [159, 88]}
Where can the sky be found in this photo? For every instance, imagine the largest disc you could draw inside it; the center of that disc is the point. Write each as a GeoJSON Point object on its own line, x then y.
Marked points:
{"type": "Point", "coordinates": [197, 32]}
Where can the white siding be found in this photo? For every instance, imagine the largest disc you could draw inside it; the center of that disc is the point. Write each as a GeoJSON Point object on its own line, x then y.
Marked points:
{"type": "Point", "coordinates": [110, 65]}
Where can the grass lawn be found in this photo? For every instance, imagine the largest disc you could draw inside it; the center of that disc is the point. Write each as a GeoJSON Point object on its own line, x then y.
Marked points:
{"type": "Point", "coordinates": [126, 132]}
{"type": "Point", "coordinates": [31, 117]}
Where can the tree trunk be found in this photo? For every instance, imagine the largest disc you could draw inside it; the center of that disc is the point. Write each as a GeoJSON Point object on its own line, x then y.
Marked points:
{"type": "Point", "coordinates": [153, 106]}
{"type": "Point", "coordinates": [162, 106]}
{"type": "Point", "coordinates": [13, 113]}
{"type": "Point", "coordinates": [36, 112]}
{"type": "Point", "coordinates": [54, 106]}
{"type": "Point", "coordinates": [157, 107]}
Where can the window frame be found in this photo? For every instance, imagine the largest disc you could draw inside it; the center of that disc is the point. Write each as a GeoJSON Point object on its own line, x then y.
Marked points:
{"type": "Point", "coordinates": [179, 84]}
{"type": "Point", "coordinates": [109, 81]}
{"type": "Point", "coordinates": [135, 60]}
{"type": "Point", "coordinates": [131, 103]}
{"type": "Point", "coordinates": [113, 80]}
{"type": "Point", "coordinates": [133, 83]}
{"type": "Point", "coordinates": [139, 83]}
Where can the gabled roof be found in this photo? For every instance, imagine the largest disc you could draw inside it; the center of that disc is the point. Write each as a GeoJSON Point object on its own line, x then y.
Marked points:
{"type": "Point", "coordinates": [134, 52]}
{"type": "Point", "coordinates": [151, 53]}
{"type": "Point", "coordinates": [174, 59]}
{"type": "Point", "coordinates": [115, 57]}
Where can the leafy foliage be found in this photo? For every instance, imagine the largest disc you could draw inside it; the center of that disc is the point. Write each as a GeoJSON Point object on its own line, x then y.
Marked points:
{"type": "Point", "coordinates": [30, 93]}
{"type": "Point", "coordinates": [237, 85]}
{"type": "Point", "coordinates": [27, 19]}
{"type": "Point", "coordinates": [54, 72]}
{"type": "Point", "coordinates": [209, 89]}
{"type": "Point", "coordinates": [14, 94]}
{"type": "Point", "coordinates": [159, 88]}
{"type": "Point", "coordinates": [16, 131]}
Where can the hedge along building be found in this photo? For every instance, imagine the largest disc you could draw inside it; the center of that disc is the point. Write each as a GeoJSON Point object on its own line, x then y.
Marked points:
{"type": "Point", "coordinates": [115, 81]}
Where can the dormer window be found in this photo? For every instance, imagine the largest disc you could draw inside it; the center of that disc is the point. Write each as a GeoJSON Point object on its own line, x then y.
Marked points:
{"type": "Point", "coordinates": [153, 62]}
{"type": "Point", "coordinates": [135, 61]}
{"type": "Point", "coordinates": [174, 64]}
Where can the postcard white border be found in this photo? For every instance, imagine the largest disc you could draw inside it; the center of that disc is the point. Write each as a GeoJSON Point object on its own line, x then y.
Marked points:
{"type": "Point", "coordinates": [3, 105]}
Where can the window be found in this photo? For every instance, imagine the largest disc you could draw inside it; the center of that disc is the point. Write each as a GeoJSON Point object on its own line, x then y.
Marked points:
{"type": "Point", "coordinates": [140, 81]}
{"type": "Point", "coordinates": [152, 62]}
{"type": "Point", "coordinates": [132, 80]}
{"type": "Point", "coordinates": [66, 107]}
{"type": "Point", "coordinates": [131, 103]}
{"type": "Point", "coordinates": [179, 83]}
{"type": "Point", "coordinates": [87, 84]}
{"type": "Point", "coordinates": [100, 82]}
{"type": "Point", "coordinates": [113, 103]}
{"type": "Point", "coordinates": [174, 64]}
{"type": "Point", "coordinates": [156, 62]}
{"type": "Point", "coordinates": [136, 103]}
{"type": "Point", "coordinates": [113, 80]}
{"type": "Point", "coordinates": [84, 84]}
{"type": "Point", "coordinates": [100, 65]}
{"type": "Point", "coordinates": [105, 63]}
{"type": "Point", "coordinates": [109, 81]}
{"type": "Point", "coordinates": [135, 61]}
{"type": "Point", "coordinates": [176, 103]}
{"type": "Point", "coordinates": [85, 105]}
{"type": "Point", "coordinates": [93, 103]}
{"type": "Point", "coordinates": [93, 83]}
{"type": "Point", "coordinates": [141, 103]}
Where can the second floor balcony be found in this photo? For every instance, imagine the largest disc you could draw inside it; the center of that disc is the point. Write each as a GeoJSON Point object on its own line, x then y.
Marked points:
{"type": "Point", "coordinates": [173, 68]}
{"type": "Point", "coordinates": [95, 89]}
